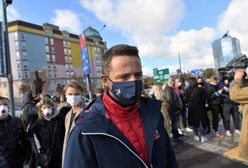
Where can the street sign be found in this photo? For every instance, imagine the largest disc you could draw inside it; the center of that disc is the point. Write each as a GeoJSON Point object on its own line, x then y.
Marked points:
{"type": "Point", "coordinates": [178, 71]}
{"type": "Point", "coordinates": [197, 72]}
{"type": "Point", "coordinates": [161, 75]}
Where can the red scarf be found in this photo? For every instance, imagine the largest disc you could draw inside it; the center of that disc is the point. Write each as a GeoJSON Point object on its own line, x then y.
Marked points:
{"type": "Point", "coordinates": [128, 121]}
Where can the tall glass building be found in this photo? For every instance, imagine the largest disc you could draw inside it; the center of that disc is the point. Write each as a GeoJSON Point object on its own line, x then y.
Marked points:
{"type": "Point", "coordinates": [225, 49]}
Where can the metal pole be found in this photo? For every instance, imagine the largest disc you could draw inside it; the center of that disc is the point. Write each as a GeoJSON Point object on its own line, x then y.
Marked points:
{"type": "Point", "coordinates": [102, 28]}
{"type": "Point", "coordinates": [89, 83]}
{"type": "Point", "coordinates": [180, 66]}
{"type": "Point", "coordinates": [8, 59]}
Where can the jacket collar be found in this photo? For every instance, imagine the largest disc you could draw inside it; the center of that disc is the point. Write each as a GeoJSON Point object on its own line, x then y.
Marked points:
{"type": "Point", "coordinates": [94, 120]}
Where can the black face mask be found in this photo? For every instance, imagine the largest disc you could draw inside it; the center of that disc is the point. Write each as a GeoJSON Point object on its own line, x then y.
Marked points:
{"type": "Point", "coordinates": [200, 83]}
{"type": "Point", "coordinates": [128, 92]}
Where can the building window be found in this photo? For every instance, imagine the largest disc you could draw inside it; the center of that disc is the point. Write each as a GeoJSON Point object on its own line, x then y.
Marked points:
{"type": "Point", "coordinates": [24, 55]}
{"type": "Point", "coordinates": [71, 66]}
{"type": "Point", "coordinates": [53, 58]}
{"type": "Point", "coordinates": [49, 74]}
{"type": "Point", "coordinates": [52, 50]}
{"type": "Point", "coordinates": [46, 40]}
{"type": "Point", "coordinates": [69, 52]}
{"type": "Point", "coordinates": [48, 57]}
{"type": "Point", "coordinates": [65, 51]}
{"type": "Point", "coordinates": [64, 44]}
{"type": "Point", "coordinates": [47, 49]}
{"type": "Point", "coordinates": [72, 73]}
{"type": "Point", "coordinates": [17, 55]}
{"type": "Point", "coordinates": [54, 66]}
{"type": "Point", "coordinates": [49, 66]}
{"type": "Point", "coordinates": [19, 75]}
{"type": "Point", "coordinates": [26, 74]}
{"type": "Point", "coordinates": [51, 41]}
{"type": "Point", "coordinates": [66, 66]}
{"type": "Point", "coordinates": [67, 73]}
{"type": "Point", "coordinates": [68, 44]}
{"type": "Point", "coordinates": [25, 65]}
{"type": "Point", "coordinates": [22, 36]}
{"type": "Point", "coordinates": [17, 45]}
{"type": "Point", "coordinates": [23, 43]}
{"type": "Point", "coordinates": [16, 36]}
{"type": "Point", "coordinates": [70, 58]}
{"type": "Point", "coordinates": [18, 65]}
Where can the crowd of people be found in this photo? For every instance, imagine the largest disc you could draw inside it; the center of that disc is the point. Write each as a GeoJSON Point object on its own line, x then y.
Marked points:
{"type": "Point", "coordinates": [197, 101]}
{"type": "Point", "coordinates": [126, 125]}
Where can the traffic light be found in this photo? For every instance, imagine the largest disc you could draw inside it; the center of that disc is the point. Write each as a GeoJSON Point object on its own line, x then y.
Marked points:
{"type": "Point", "coordinates": [8, 2]}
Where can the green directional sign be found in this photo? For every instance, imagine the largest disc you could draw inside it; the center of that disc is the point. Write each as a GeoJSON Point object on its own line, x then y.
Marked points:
{"type": "Point", "coordinates": [161, 75]}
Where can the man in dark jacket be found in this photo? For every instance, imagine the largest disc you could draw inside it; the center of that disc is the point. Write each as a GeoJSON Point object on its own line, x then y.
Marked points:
{"type": "Point", "coordinates": [120, 129]}
{"type": "Point", "coordinates": [214, 94]}
{"type": "Point", "coordinates": [230, 108]}
{"type": "Point", "coordinates": [13, 142]}
{"type": "Point", "coordinates": [175, 106]}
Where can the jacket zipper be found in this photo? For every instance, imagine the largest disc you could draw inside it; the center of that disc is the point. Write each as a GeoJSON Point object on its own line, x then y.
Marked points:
{"type": "Point", "coordinates": [83, 133]}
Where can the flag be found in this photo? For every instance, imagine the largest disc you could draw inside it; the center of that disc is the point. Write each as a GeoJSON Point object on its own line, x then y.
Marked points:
{"type": "Point", "coordinates": [84, 54]}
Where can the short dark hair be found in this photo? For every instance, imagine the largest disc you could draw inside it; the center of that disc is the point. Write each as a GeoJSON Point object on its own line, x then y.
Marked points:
{"type": "Point", "coordinates": [117, 50]}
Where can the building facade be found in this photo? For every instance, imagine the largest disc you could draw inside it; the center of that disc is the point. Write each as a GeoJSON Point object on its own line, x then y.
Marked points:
{"type": "Point", "coordinates": [225, 49]}
{"type": "Point", "coordinates": [52, 53]}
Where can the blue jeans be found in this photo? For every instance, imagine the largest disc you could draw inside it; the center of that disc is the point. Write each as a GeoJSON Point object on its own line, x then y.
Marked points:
{"type": "Point", "coordinates": [199, 131]}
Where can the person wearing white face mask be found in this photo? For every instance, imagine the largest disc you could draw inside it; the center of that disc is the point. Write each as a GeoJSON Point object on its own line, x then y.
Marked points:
{"type": "Point", "coordinates": [73, 92]}
{"type": "Point", "coordinates": [47, 135]}
{"type": "Point", "coordinates": [14, 144]}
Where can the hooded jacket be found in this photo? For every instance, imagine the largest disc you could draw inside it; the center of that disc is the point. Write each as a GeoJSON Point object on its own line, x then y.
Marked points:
{"type": "Point", "coordinates": [13, 143]}
{"type": "Point", "coordinates": [50, 135]}
{"type": "Point", "coordinates": [96, 142]}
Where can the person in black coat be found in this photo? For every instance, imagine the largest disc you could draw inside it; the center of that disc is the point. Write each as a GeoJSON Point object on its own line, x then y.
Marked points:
{"type": "Point", "coordinates": [196, 98]}
{"type": "Point", "coordinates": [190, 105]}
{"type": "Point", "coordinates": [47, 135]}
{"type": "Point", "coordinates": [214, 94]}
{"type": "Point", "coordinates": [230, 108]}
{"type": "Point", "coordinates": [13, 142]}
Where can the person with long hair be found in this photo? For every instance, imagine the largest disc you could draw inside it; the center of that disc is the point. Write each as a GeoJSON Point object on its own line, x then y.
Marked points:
{"type": "Point", "coordinates": [47, 135]}
{"type": "Point", "coordinates": [159, 94]}
{"type": "Point", "coordinates": [196, 98]}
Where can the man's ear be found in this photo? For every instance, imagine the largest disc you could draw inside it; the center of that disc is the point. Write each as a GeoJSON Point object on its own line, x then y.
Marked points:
{"type": "Point", "coordinates": [104, 80]}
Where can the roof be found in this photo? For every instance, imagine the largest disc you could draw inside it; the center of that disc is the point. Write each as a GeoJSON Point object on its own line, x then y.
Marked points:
{"type": "Point", "coordinates": [38, 27]}
{"type": "Point", "coordinates": [92, 33]}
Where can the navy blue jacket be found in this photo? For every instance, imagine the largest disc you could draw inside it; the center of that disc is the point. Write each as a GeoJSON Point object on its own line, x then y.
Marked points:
{"type": "Point", "coordinates": [96, 142]}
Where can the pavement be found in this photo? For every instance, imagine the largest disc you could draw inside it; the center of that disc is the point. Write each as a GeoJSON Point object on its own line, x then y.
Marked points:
{"type": "Point", "coordinates": [193, 154]}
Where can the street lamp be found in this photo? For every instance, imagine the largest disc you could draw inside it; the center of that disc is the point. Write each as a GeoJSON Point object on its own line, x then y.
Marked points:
{"type": "Point", "coordinates": [7, 56]}
{"type": "Point", "coordinates": [101, 28]}
{"type": "Point", "coordinates": [179, 55]}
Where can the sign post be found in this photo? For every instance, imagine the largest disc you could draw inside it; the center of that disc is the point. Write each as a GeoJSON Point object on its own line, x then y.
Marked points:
{"type": "Point", "coordinates": [161, 76]}
{"type": "Point", "coordinates": [197, 72]}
